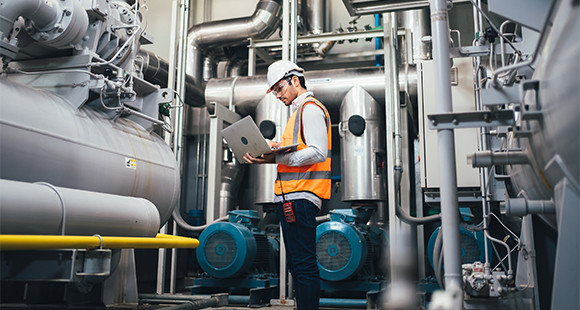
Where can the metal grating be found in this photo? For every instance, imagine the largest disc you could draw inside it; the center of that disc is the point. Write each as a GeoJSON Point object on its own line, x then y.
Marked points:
{"type": "Point", "coordinates": [220, 250]}
{"type": "Point", "coordinates": [333, 250]}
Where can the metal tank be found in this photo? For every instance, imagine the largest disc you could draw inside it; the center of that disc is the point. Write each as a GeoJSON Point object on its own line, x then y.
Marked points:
{"type": "Point", "coordinates": [271, 118]}
{"type": "Point", "coordinates": [362, 147]}
{"type": "Point", "coordinates": [45, 138]}
{"type": "Point", "coordinates": [554, 141]}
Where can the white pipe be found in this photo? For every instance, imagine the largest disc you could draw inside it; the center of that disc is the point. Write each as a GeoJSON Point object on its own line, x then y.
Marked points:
{"type": "Point", "coordinates": [446, 143]}
{"type": "Point", "coordinates": [36, 209]}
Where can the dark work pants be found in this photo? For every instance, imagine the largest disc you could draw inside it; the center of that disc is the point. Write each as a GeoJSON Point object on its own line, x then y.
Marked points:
{"type": "Point", "coordinates": [300, 241]}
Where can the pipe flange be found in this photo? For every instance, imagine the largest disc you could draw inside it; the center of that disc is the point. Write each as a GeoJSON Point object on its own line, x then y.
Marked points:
{"type": "Point", "coordinates": [67, 29]}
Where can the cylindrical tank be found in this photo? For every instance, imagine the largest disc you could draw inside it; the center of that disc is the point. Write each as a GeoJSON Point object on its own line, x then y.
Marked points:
{"type": "Point", "coordinates": [44, 138]}
{"type": "Point", "coordinates": [31, 209]}
{"type": "Point", "coordinates": [271, 118]}
{"type": "Point", "coordinates": [554, 141]}
{"type": "Point", "coordinates": [362, 147]}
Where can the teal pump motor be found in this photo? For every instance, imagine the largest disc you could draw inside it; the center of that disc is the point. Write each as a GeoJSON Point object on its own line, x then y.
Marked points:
{"type": "Point", "coordinates": [347, 248]}
{"type": "Point", "coordinates": [237, 248]}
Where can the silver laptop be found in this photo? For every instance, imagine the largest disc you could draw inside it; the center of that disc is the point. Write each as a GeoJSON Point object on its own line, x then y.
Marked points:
{"type": "Point", "coordinates": [244, 137]}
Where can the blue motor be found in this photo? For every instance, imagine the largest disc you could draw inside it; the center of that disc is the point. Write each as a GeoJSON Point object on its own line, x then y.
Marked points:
{"type": "Point", "coordinates": [237, 248]}
{"type": "Point", "coordinates": [347, 248]}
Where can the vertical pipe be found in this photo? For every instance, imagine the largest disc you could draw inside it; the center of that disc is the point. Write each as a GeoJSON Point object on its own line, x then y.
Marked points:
{"type": "Point", "coordinates": [160, 289]}
{"type": "Point", "coordinates": [179, 115]}
{"type": "Point", "coordinates": [483, 172]}
{"type": "Point", "coordinates": [391, 103]}
{"type": "Point", "coordinates": [446, 144]}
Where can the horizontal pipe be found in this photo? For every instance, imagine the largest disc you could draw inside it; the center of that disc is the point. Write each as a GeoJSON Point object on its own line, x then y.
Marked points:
{"type": "Point", "coordinates": [51, 242]}
{"type": "Point", "coordinates": [329, 86]}
{"type": "Point", "coordinates": [44, 209]}
{"type": "Point", "coordinates": [342, 303]}
{"type": "Point", "coordinates": [490, 158]}
{"type": "Point", "coordinates": [522, 207]}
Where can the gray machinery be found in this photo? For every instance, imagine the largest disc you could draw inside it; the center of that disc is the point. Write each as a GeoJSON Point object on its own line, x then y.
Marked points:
{"type": "Point", "coordinates": [79, 120]}
{"type": "Point", "coordinates": [238, 257]}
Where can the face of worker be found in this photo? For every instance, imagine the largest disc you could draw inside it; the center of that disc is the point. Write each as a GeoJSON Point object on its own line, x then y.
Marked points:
{"type": "Point", "coordinates": [286, 90]}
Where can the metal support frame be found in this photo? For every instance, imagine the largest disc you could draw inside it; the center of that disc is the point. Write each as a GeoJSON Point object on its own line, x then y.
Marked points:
{"type": "Point", "coordinates": [442, 121]}
{"type": "Point", "coordinates": [220, 116]}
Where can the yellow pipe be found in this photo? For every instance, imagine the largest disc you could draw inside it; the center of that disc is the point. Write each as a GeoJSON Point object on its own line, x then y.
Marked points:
{"type": "Point", "coordinates": [49, 242]}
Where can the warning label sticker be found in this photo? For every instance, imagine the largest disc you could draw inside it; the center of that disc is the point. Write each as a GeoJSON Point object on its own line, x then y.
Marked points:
{"type": "Point", "coordinates": [130, 163]}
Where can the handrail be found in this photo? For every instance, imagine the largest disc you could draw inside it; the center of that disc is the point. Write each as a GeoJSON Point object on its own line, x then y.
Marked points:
{"type": "Point", "coordinates": [49, 242]}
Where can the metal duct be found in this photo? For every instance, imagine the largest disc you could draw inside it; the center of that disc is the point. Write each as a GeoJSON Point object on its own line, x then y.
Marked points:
{"type": "Point", "coordinates": [155, 71]}
{"type": "Point", "coordinates": [43, 137]}
{"type": "Point", "coordinates": [36, 209]}
{"type": "Point", "coordinates": [269, 109]}
{"type": "Point", "coordinates": [329, 86]}
{"type": "Point", "coordinates": [314, 12]}
{"type": "Point", "coordinates": [231, 177]}
{"type": "Point", "coordinates": [362, 147]}
{"type": "Point", "coordinates": [418, 22]}
{"type": "Point", "coordinates": [260, 25]}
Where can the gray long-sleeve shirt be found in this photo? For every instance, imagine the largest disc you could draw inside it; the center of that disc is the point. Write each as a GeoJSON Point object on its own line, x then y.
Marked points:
{"type": "Point", "coordinates": [316, 139]}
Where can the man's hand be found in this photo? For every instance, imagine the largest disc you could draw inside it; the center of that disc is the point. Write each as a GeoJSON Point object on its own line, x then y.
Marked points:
{"type": "Point", "coordinates": [264, 159]}
{"type": "Point", "coordinates": [274, 145]}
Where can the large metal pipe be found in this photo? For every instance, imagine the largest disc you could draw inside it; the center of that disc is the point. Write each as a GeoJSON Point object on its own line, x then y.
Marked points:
{"type": "Point", "coordinates": [44, 137]}
{"type": "Point", "coordinates": [37, 209]}
{"type": "Point", "coordinates": [155, 70]}
{"type": "Point", "coordinates": [314, 16]}
{"type": "Point", "coordinates": [446, 144]}
{"type": "Point", "coordinates": [329, 86]}
{"type": "Point", "coordinates": [202, 36]}
{"type": "Point", "coordinates": [418, 22]}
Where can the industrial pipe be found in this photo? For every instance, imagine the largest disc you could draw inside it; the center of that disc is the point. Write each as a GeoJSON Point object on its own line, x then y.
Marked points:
{"type": "Point", "coordinates": [522, 206]}
{"type": "Point", "coordinates": [401, 214]}
{"type": "Point", "coordinates": [490, 158]}
{"type": "Point", "coordinates": [185, 301]}
{"type": "Point", "coordinates": [183, 224]}
{"type": "Point", "coordinates": [202, 36]}
{"type": "Point", "coordinates": [51, 242]}
{"type": "Point", "coordinates": [155, 70]}
{"type": "Point", "coordinates": [27, 208]}
{"type": "Point", "coordinates": [446, 144]}
{"type": "Point", "coordinates": [329, 86]}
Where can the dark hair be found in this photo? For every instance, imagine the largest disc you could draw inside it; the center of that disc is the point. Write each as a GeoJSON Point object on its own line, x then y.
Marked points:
{"type": "Point", "coordinates": [300, 79]}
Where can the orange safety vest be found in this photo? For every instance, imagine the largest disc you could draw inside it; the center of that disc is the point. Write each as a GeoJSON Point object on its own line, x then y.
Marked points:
{"type": "Point", "coordinates": [313, 178]}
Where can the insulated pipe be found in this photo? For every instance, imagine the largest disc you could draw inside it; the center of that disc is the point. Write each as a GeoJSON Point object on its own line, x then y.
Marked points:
{"type": "Point", "coordinates": [155, 70]}
{"type": "Point", "coordinates": [329, 86]}
{"type": "Point", "coordinates": [260, 25]}
{"type": "Point", "coordinates": [36, 209]}
{"type": "Point", "coordinates": [446, 144]}
{"type": "Point", "coordinates": [315, 16]}
{"type": "Point", "coordinates": [44, 242]}
{"type": "Point", "coordinates": [522, 206]}
{"type": "Point", "coordinates": [490, 158]}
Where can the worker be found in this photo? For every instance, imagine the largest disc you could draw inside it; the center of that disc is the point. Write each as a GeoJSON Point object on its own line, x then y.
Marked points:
{"type": "Point", "coordinates": [303, 178]}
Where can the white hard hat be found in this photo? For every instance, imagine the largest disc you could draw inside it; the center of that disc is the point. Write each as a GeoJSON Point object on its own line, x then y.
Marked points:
{"type": "Point", "coordinates": [281, 69]}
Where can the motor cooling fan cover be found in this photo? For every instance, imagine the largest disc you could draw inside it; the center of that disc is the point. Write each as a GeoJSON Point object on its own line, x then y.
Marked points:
{"type": "Point", "coordinates": [341, 250]}
{"type": "Point", "coordinates": [226, 250]}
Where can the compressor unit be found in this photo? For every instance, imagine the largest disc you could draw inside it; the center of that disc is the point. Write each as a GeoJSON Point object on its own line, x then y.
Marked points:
{"type": "Point", "coordinates": [236, 256]}
{"type": "Point", "coordinates": [349, 252]}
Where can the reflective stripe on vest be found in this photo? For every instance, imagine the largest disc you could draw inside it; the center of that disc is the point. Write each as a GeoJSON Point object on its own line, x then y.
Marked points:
{"type": "Point", "coordinates": [313, 178]}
